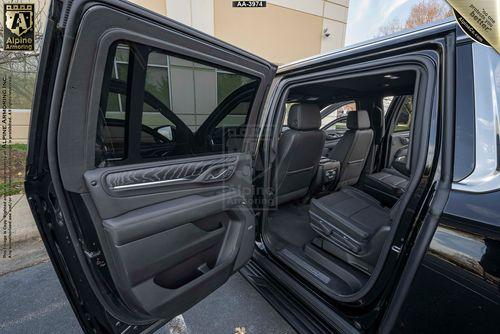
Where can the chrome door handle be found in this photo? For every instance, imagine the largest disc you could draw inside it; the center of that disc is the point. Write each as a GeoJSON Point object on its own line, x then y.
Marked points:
{"type": "Point", "coordinates": [218, 174]}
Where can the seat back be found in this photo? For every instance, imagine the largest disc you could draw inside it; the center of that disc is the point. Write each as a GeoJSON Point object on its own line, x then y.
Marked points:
{"type": "Point", "coordinates": [299, 152]}
{"type": "Point", "coordinates": [353, 148]}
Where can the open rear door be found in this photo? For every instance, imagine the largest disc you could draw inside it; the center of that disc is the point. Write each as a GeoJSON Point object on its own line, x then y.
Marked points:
{"type": "Point", "coordinates": [142, 218]}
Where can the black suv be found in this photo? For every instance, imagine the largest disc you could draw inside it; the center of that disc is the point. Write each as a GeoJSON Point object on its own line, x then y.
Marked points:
{"type": "Point", "coordinates": [358, 190]}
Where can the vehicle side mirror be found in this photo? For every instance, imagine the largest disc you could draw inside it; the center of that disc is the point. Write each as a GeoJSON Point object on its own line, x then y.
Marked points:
{"type": "Point", "coordinates": [166, 131]}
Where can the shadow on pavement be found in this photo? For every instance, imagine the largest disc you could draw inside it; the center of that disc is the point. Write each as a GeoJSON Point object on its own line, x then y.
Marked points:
{"type": "Point", "coordinates": [32, 301]}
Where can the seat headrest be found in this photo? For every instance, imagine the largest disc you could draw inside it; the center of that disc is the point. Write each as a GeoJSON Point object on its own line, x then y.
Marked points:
{"type": "Point", "coordinates": [357, 120]}
{"type": "Point", "coordinates": [304, 117]}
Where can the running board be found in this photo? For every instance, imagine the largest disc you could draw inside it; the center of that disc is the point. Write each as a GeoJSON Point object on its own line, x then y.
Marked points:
{"type": "Point", "coordinates": [326, 272]}
{"type": "Point", "coordinates": [301, 307]}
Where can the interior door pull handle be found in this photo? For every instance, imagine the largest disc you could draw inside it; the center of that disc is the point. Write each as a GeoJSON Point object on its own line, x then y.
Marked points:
{"type": "Point", "coordinates": [219, 175]}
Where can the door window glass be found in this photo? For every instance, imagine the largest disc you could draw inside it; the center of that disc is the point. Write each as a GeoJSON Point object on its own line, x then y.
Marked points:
{"type": "Point", "coordinates": [337, 128]}
{"type": "Point", "coordinates": [236, 117]}
{"type": "Point", "coordinates": [110, 142]}
{"type": "Point", "coordinates": [404, 119]}
{"type": "Point", "coordinates": [334, 122]}
{"type": "Point", "coordinates": [179, 97]}
{"type": "Point", "coordinates": [328, 116]}
{"type": "Point", "coordinates": [386, 103]}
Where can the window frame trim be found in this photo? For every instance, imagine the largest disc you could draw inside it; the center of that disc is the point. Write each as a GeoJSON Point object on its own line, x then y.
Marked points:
{"type": "Point", "coordinates": [485, 176]}
{"type": "Point", "coordinates": [137, 75]}
{"type": "Point", "coordinates": [402, 99]}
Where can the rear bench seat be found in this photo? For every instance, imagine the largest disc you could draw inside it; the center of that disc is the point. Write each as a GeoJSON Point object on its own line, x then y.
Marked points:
{"type": "Point", "coordinates": [353, 226]}
{"type": "Point", "coordinates": [387, 185]}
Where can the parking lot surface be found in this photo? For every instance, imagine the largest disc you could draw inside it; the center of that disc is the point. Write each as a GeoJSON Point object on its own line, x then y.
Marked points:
{"type": "Point", "coordinates": [32, 301]}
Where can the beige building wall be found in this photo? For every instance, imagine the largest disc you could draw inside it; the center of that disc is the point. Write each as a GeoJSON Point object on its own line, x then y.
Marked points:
{"type": "Point", "coordinates": [283, 31]}
{"type": "Point", "coordinates": [275, 33]}
{"type": "Point", "coordinates": [157, 6]}
{"type": "Point", "coordinates": [20, 125]}
{"type": "Point", "coordinates": [195, 13]}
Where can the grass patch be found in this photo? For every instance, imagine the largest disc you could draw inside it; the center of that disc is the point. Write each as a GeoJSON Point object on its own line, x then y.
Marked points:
{"type": "Point", "coordinates": [15, 172]}
{"type": "Point", "coordinates": [19, 147]}
{"type": "Point", "coordinates": [16, 187]}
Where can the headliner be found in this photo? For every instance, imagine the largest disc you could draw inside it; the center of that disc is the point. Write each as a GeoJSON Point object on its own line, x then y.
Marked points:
{"type": "Point", "coordinates": [386, 84]}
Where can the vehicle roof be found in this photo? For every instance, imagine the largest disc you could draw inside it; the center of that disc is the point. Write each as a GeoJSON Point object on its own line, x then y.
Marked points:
{"type": "Point", "coordinates": [405, 35]}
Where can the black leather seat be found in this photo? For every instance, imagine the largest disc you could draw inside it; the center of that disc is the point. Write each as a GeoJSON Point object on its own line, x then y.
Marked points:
{"type": "Point", "coordinates": [389, 184]}
{"type": "Point", "coordinates": [299, 151]}
{"type": "Point", "coordinates": [353, 226]}
{"type": "Point", "coordinates": [353, 148]}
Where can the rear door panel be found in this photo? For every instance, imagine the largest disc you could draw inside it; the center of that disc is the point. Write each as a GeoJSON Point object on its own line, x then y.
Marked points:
{"type": "Point", "coordinates": [173, 226]}
{"type": "Point", "coordinates": [92, 44]}
{"type": "Point", "coordinates": [144, 240]}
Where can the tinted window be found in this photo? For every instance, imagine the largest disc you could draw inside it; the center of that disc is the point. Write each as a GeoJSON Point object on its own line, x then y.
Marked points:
{"type": "Point", "coordinates": [334, 120]}
{"type": "Point", "coordinates": [288, 106]}
{"type": "Point", "coordinates": [155, 105]}
{"type": "Point", "coordinates": [404, 119]}
{"type": "Point", "coordinates": [237, 116]}
{"type": "Point", "coordinates": [337, 128]}
{"type": "Point", "coordinates": [110, 143]}
{"type": "Point", "coordinates": [386, 103]}
{"type": "Point", "coordinates": [328, 116]}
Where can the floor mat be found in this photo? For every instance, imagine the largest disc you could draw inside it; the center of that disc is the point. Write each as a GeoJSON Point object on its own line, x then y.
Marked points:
{"type": "Point", "coordinates": [290, 223]}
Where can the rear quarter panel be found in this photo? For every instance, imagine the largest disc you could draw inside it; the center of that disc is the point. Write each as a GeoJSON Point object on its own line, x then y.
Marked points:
{"type": "Point", "coordinates": [457, 287]}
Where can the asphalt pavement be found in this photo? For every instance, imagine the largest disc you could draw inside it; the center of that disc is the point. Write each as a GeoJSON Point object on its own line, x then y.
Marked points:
{"type": "Point", "coordinates": [32, 301]}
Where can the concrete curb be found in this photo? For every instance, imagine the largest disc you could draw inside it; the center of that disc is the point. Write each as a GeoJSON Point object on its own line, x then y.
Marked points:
{"type": "Point", "coordinates": [23, 227]}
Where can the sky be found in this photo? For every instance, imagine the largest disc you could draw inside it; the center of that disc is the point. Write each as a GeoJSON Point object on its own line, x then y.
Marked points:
{"type": "Point", "coordinates": [366, 16]}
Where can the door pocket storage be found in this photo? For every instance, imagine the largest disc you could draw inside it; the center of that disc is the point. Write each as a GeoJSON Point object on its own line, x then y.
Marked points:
{"type": "Point", "coordinates": [190, 269]}
{"type": "Point", "coordinates": [175, 255]}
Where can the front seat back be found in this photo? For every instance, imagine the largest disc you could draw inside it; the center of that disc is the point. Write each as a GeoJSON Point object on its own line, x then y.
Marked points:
{"type": "Point", "coordinates": [299, 152]}
{"type": "Point", "coordinates": [353, 148]}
